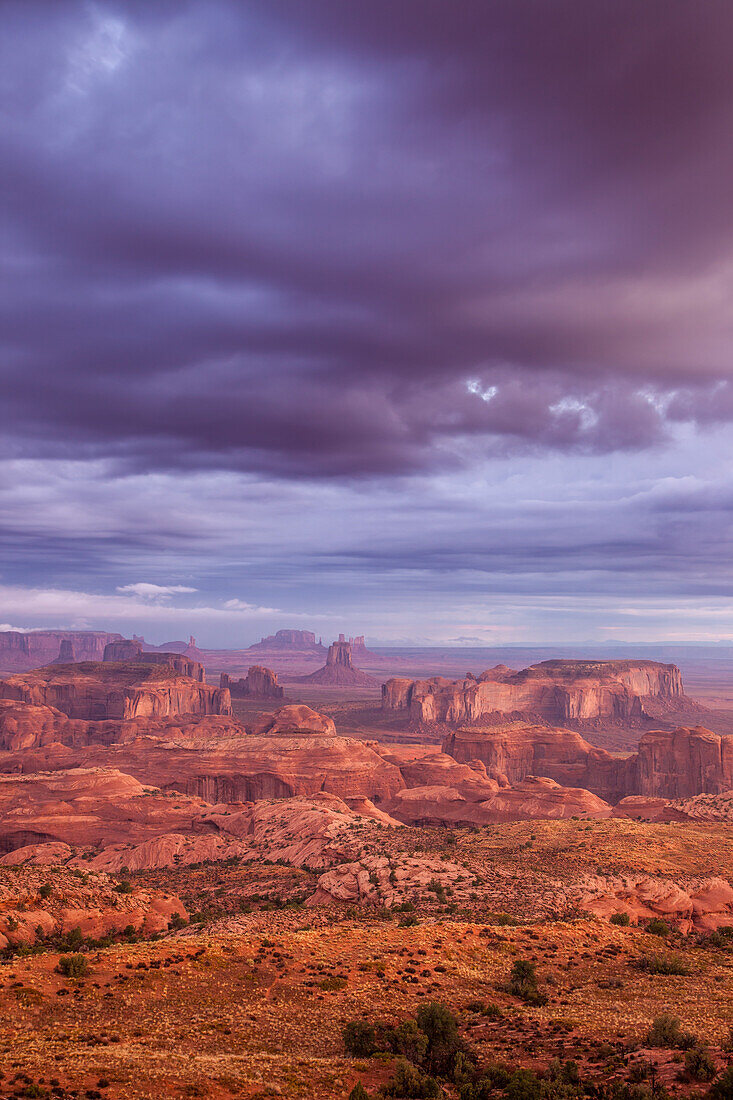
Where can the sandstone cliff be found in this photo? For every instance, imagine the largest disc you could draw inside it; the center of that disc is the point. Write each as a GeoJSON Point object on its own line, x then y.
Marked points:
{"type": "Point", "coordinates": [553, 690]}
{"type": "Point", "coordinates": [21, 652]}
{"type": "Point", "coordinates": [97, 691]}
{"type": "Point", "coordinates": [260, 683]}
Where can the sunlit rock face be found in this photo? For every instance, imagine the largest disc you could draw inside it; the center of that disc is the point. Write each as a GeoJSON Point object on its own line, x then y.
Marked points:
{"type": "Point", "coordinates": [553, 690]}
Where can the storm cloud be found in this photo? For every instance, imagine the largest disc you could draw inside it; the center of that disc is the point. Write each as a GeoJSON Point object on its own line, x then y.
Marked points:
{"type": "Point", "coordinates": [292, 290]}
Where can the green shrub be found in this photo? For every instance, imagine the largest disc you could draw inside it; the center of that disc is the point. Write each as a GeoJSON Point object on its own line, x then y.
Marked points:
{"type": "Point", "coordinates": [622, 919]}
{"type": "Point", "coordinates": [409, 1083]}
{"type": "Point", "coordinates": [73, 966]}
{"type": "Point", "coordinates": [358, 1092]}
{"type": "Point", "coordinates": [662, 964]}
{"type": "Point", "coordinates": [123, 887]}
{"type": "Point", "coordinates": [523, 983]}
{"type": "Point", "coordinates": [666, 1032]}
{"type": "Point", "coordinates": [699, 1065]}
{"type": "Point", "coordinates": [46, 890]}
{"type": "Point", "coordinates": [409, 1040]}
{"type": "Point", "coordinates": [658, 927]}
{"type": "Point", "coordinates": [359, 1038]}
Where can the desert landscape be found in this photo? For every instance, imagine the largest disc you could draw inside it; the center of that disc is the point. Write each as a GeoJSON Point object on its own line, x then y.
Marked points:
{"type": "Point", "coordinates": [426, 887]}
{"type": "Point", "coordinates": [366, 513]}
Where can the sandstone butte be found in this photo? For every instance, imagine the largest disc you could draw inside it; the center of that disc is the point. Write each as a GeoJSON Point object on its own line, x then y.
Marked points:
{"type": "Point", "coordinates": [259, 683]}
{"type": "Point", "coordinates": [555, 691]}
{"type": "Point", "coordinates": [98, 691]}
{"type": "Point", "coordinates": [339, 669]}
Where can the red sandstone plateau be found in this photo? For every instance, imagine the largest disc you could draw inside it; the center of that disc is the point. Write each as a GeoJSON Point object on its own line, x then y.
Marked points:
{"type": "Point", "coordinates": [96, 691]}
{"type": "Point", "coordinates": [23, 651]}
{"type": "Point", "coordinates": [556, 691]}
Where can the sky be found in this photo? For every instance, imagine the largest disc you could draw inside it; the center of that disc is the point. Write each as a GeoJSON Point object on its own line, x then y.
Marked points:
{"type": "Point", "coordinates": [399, 317]}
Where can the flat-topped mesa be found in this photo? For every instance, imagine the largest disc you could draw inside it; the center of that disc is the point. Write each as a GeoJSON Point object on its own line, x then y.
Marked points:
{"type": "Point", "coordinates": [294, 640]}
{"type": "Point", "coordinates": [259, 683]}
{"type": "Point", "coordinates": [97, 691]}
{"type": "Point", "coordinates": [132, 650]}
{"type": "Point", "coordinates": [20, 651]}
{"type": "Point", "coordinates": [339, 669]}
{"type": "Point", "coordinates": [553, 690]}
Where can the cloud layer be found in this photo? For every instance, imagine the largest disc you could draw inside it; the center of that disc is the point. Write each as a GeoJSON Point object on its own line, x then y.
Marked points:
{"type": "Point", "coordinates": [301, 300]}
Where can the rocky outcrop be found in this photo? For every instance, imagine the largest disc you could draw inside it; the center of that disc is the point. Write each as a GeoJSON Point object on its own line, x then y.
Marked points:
{"type": "Point", "coordinates": [560, 754]}
{"type": "Point", "coordinates": [260, 683]}
{"type": "Point", "coordinates": [680, 763]}
{"type": "Point", "coordinates": [293, 640]}
{"type": "Point", "coordinates": [20, 652]}
{"type": "Point", "coordinates": [556, 691]}
{"type": "Point", "coordinates": [339, 670]}
{"type": "Point", "coordinates": [67, 654]}
{"type": "Point", "coordinates": [670, 764]}
{"type": "Point", "coordinates": [91, 905]}
{"type": "Point", "coordinates": [296, 751]}
{"type": "Point", "coordinates": [705, 906]}
{"type": "Point", "coordinates": [88, 807]}
{"type": "Point", "coordinates": [96, 691]}
{"type": "Point", "coordinates": [131, 650]}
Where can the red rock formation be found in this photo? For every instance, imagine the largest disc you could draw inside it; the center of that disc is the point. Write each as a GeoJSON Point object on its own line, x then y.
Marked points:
{"type": "Point", "coordinates": [260, 683]}
{"type": "Point", "coordinates": [93, 906]}
{"type": "Point", "coordinates": [706, 905]}
{"type": "Point", "coordinates": [21, 652]}
{"type": "Point", "coordinates": [67, 655]}
{"type": "Point", "coordinates": [680, 763]}
{"type": "Point", "coordinates": [88, 807]}
{"type": "Point", "coordinates": [339, 670]}
{"type": "Point", "coordinates": [553, 690]}
{"type": "Point", "coordinates": [296, 751]}
{"type": "Point", "coordinates": [559, 754]}
{"type": "Point", "coordinates": [294, 640]}
{"type": "Point", "coordinates": [96, 690]}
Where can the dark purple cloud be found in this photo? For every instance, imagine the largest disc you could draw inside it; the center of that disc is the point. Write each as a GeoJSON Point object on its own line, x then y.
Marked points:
{"type": "Point", "coordinates": [305, 239]}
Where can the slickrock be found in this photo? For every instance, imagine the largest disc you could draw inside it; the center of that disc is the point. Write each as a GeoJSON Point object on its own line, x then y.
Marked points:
{"type": "Point", "coordinates": [376, 880]}
{"type": "Point", "coordinates": [706, 905]}
{"type": "Point", "coordinates": [96, 691]}
{"type": "Point", "coordinates": [89, 904]}
{"type": "Point", "coordinates": [88, 807]}
{"type": "Point", "coordinates": [339, 669]}
{"type": "Point", "coordinates": [553, 690]}
{"type": "Point", "coordinates": [260, 683]}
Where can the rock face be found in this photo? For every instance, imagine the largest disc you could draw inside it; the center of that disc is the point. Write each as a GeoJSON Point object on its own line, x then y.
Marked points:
{"type": "Point", "coordinates": [520, 751]}
{"type": "Point", "coordinates": [553, 690]}
{"type": "Point", "coordinates": [67, 655]}
{"type": "Point", "coordinates": [131, 650]}
{"type": "Point", "coordinates": [21, 652]}
{"type": "Point", "coordinates": [669, 763]}
{"type": "Point", "coordinates": [88, 807]}
{"type": "Point", "coordinates": [706, 905]}
{"type": "Point", "coordinates": [682, 762]}
{"type": "Point", "coordinates": [260, 683]}
{"type": "Point", "coordinates": [294, 752]}
{"type": "Point", "coordinates": [96, 691]}
{"type": "Point", "coordinates": [339, 669]}
{"type": "Point", "coordinates": [296, 640]}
